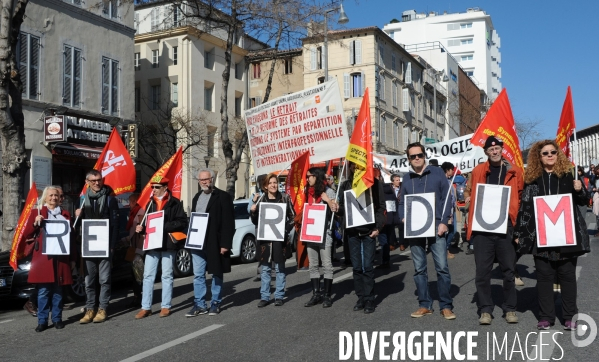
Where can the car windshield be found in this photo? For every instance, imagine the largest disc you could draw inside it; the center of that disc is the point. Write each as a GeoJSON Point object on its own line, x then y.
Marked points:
{"type": "Point", "coordinates": [241, 211]}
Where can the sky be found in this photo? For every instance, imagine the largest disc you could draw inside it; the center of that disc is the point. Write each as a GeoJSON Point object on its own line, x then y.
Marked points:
{"type": "Point", "coordinates": [546, 45]}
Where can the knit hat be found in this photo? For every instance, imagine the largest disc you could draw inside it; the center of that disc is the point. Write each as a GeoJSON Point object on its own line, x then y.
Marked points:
{"type": "Point", "coordinates": [493, 141]}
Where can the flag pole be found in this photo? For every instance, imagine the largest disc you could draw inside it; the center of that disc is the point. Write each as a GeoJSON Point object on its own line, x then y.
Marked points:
{"type": "Point", "coordinates": [337, 193]}
{"type": "Point", "coordinates": [451, 184]}
{"type": "Point", "coordinates": [574, 156]}
{"type": "Point", "coordinates": [146, 213]}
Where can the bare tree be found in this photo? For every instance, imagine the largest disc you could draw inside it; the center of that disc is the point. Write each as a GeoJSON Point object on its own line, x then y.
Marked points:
{"type": "Point", "coordinates": [528, 132]}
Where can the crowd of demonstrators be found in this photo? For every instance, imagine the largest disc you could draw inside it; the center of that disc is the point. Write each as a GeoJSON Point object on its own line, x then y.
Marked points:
{"type": "Point", "coordinates": [388, 236]}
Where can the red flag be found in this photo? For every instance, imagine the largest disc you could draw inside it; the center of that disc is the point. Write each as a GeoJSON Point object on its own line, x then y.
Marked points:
{"type": "Point", "coordinates": [360, 149]}
{"type": "Point", "coordinates": [18, 248]}
{"type": "Point", "coordinates": [296, 181]}
{"type": "Point", "coordinates": [499, 122]}
{"type": "Point", "coordinates": [173, 170]}
{"type": "Point", "coordinates": [567, 125]}
{"type": "Point", "coordinates": [116, 166]}
{"type": "Point", "coordinates": [329, 171]}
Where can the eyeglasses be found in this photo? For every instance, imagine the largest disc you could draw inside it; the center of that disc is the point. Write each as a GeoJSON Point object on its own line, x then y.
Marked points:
{"type": "Point", "coordinates": [95, 180]}
{"type": "Point", "coordinates": [416, 155]}
{"type": "Point", "coordinates": [157, 187]}
{"type": "Point", "coordinates": [546, 153]}
{"type": "Point", "coordinates": [205, 179]}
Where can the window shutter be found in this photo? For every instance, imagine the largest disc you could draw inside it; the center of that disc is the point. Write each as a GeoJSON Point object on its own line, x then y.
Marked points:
{"type": "Point", "coordinates": [409, 73]}
{"type": "Point", "coordinates": [346, 85]}
{"type": "Point", "coordinates": [68, 77]}
{"type": "Point", "coordinates": [258, 101]}
{"type": "Point", "coordinates": [358, 52]}
{"type": "Point", "coordinates": [363, 85]}
{"type": "Point", "coordinates": [77, 79]}
{"type": "Point", "coordinates": [394, 94]}
{"type": "Point", "coordinates": [115, 88]}
{"type": "Point", "coordinates": [34, 71]}
{"type": "Point", "coordinates": [352, 58]}
{"type": "Point", "coordinates": [105, 84]}
{"type": "Point", "coordinates": [382, 80]}
{"type": "Point", "coordinates": [406, 99]}
{"type": "Point", "coordinates": [406, 137]}
{"type": "Point", "coordinates": [312, 58]}
{"type": "Point", "coordinates": [113, 9]}
{"type": "Point", "coordinates": [377, 86]}
{"type": "Point", "coordinates": [23, 39]}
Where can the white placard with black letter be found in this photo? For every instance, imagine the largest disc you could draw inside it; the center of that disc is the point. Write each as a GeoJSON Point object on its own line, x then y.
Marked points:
{"type": "Point", "coordinates": [358, 211]}
{"type": "Point", "coordinates": [419, 213]}
{"type": "Point", "coordinates": [95, 239]}
{"type": "Point", "coordinates": [154, 230]}
{"type": "Point", "coordinates": [491, 208]}
{"type": "Point", "coordinates": [554, 216]}
{"type": "Point", "coordinates": [391, 205]}
{"type": "Point", "coordinates": [314, 223]}
{"type": "Point", "coordinates": [196, 234]}
{"type": "Point", "coordinates": [56, 239]}
{"type": "Point", "coordinates": [271, 221]}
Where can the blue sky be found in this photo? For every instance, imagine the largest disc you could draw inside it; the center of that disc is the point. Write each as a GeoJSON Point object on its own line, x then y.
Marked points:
{"type": "Point", "coordinates": [546, 45]}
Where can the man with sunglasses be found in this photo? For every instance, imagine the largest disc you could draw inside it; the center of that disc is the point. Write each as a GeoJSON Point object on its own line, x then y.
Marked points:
{"type": "Point", "coordinates": [99, 203]}
{"type": "Point", "coordinates": [421, 179]}
{"type": "Point", "coordinates": [491, 246]}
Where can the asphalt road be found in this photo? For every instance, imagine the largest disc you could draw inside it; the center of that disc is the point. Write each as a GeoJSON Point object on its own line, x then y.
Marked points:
{"type": "Point", "coordinates": [242, 332]}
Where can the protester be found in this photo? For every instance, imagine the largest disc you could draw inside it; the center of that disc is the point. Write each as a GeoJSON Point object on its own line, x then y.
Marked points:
{"type": "Point", "coordinates": [49, 273]}
{"type": "Point", "coordinates": [448, 168]}
{"type": "Point", "coordinates": [215, 257]}
{"type": "Point", "coordinates": [387, 236]}
{"type": "Point", "coordinates": [134, 239]}
{"type": "Point", "coordinates": [99, 203]}
{"type": "Point", "coordinates": [362, 244]}
{"type": "Point", "coordinates": [272, 252]}
{"type": "Point", "coordinates": [427, 179]}
{"type": "Point", "coordinates": [494, 246]}
{"type": "Point", "coordinates": [396, 184]}
{"type": "Point", "coordinates": [331, 182]}
{"type": "Point", "coordinates": [548, 173]}
{"type": "Point", "coordinates": [175, 221]}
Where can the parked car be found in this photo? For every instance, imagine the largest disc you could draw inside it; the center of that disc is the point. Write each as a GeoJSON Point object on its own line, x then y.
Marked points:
{"type": "Point", "coordinates": [244, 240]}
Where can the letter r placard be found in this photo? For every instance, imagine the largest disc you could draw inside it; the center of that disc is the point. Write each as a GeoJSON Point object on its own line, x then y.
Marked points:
{"type": "Point", "coordinates": [314, 223]}
{"type": "Point", "coordinates": [56, 237]}
{"type": "Point", "coordinates": [154, 230]}
{"type": "Point", "coordinates": [554, 216]}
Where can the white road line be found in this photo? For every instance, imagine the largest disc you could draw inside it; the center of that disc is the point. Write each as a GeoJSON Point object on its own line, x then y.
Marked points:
{"type": "Point", "coordinates": [6, 321]}
{"type": "Point", "coordinates": [172, 343]}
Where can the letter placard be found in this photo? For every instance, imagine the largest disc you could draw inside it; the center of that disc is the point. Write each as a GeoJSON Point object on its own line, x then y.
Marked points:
{"type": "Point", "coordinates": [391, 206]}
{"type": "Point", "coordinates": [154, 230]}
{"type": "Point", "coordinates": [358, 211]}
{"type": "Point", "coordinates": [314, 223]}
{"type": "Point", "coordinates": [198, 225]}
{"type": "Point", "coordinates": [420, 216]}
{"type": "Point", "coordinates": [56, 239]}
{"type": "Point", "coordinates": [95, 239]}
{"type": "Point", "coordinates": [491, 208]}
{"type": "Point", "coordinates": [271, 221]}
{"type": "Point", "coordinates": [554, 216]}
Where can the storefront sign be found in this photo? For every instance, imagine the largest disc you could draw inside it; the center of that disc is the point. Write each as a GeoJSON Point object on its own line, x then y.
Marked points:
{"type": "Point", "coordinates": [81, 130]}
{"type": "Point", "coordinates": [131, 140]}
{"type": "Point", "coordinates": [54, 129]}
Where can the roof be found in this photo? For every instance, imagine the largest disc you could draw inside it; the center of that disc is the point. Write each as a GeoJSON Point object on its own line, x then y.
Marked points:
{"type": "Point", "coordinates": [271, 52]}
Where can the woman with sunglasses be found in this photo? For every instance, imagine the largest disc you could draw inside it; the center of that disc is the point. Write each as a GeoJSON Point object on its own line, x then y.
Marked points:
{"type": "Point", "coordinates": [549, 172]}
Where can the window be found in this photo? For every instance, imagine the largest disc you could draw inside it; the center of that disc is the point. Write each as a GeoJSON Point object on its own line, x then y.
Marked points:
{"type": "Point", "coordinates": [175, 94]}
{"type": "Point", "coordinates": [175, 55]}
{"type": "Point", "coordinates": [355, 52]}
{"type": "Point", "coordinates": [408, 76]}
{"type": "Point", "coordinates": [110, 86]}
{"type": "Point", "coordinates": [155, 58]}
{"type": "Point", "coordinates": [319, 57]}
{"type": "Point", "coordinates": [74, 2]}
{"type": "Point", "coordinates": [394, 94]}
{"type": "Point", "coordinates": [466, 25]}
{"type": "Point", "coordinates": [393, 67]}
{"type": "Point", "coordinates": [29, 58]}
{"type": "Point", "coordinates": [453, 43]}
{"type": "Point", "coordinates": [137, 99]}
{"type": "Point", "coordinates": [320, 80]}
{"type": "Point", "coordinates": [238, 106]}
{"type": "Point", "coordinates": [209, 59]}
{"type": "Point", "coordinates": [239, 70]}
{"type": "Point", "coordinates": [315, 58]}
{"type": "Point", "coordinates": [256, 71]}
{"type": "Point", "coordinates": [406, 137]}
{"type": "Point", "coordinates": [405, 92]}
{"type": "Point", "coordinates": [177, 16]}
{"type": "Point", "coordinates": [71, 92]}
{"type": "Point", "coordinates": [453, 26]}
{"type": "Point", "coordinates": [383, 129]}
{"type": "Point", "coordinates": [136, 61]}
{"type": "Point", "coordinates": [466, 41]}
{"type": "Point", "coordinates": [470, 73]}
{"type": "Point", "coordinates": [288, 65]}
{"type": "Point", "coordinates": [256, 101]}
{"type": "Point", "coordinates": [353, 85]}
{"type": "Point", "coordinates": [467, 57]}
{"type": "Point", "coordinates": [415, 136]}
{"type": "Point", "coordinates": [155, 19]}
{"type": "Point", "coordinates": [208, 92]}
{"type": "Point", "coordinates": [110, 9]}
{"type": "Point", "coordinates": [155, 94]}
{"type": "Point", "coordinates": [381, 55]}
{"type": "Point", "coordinates": [396, 135]}
{"type": "Point", "coordinates": [382, 86]}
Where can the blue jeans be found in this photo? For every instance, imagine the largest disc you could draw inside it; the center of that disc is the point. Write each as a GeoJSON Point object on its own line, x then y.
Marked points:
{"type": "Point", "coordinates": [150, 269]}
{"type": "Point", "coordinates": [280, 283]}
{"type": "Point", "coordinates": [198, 258]}
{"type": "Point", "coordinates": [450, 233]}
{"type": "Point", "coordinates": [439, 251]}
{"type": "Point", "coordinates": [49, 297]}
{"type": "Point", "coordinates": [361, 250]}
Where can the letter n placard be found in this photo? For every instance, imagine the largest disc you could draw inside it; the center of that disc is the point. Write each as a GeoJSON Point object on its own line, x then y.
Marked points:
{"type": "Point", "coordinates": [491, 208]}
{"type": "Point", "coordinates": [56, 240]}
{"type": "Point", "coordinates": [419, 215]}
{"type": "Point", "coordinates": [554, 216]}
{"type": "Point", "coordinates": [198, 224]}
{"type": "Point", "coordinates": [271, 221]}
{"type": "Point", "coordinates": [314, 223]}
{"type": "Point", "coordinates": [95, 242]}
{"type": "Point", "coordinates": [358, 211]}
{"type": "Point", "coordinates": [154, 230]}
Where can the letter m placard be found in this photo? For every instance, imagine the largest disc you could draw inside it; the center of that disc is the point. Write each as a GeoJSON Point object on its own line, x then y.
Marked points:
{"type": "Point", "coordinates": [554, 216]}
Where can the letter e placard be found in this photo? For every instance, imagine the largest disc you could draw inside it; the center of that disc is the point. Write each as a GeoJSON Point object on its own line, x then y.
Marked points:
{"type": "Point", "coordinates": [554, 216]}
{"type": "Point", "coordinates": [154, 230]}
{"type": "Point", "coordinates": [198, 225]}
{"type": "Point", "coordinates": [419, 211]}
{"type": "Point", "coordinates": [314, 223]}
{"type": "Point", "coordinates": [56, 240]}
{"type": "Point", "coordinates": [95, 239]}
{"type": "Point", "coordinates": [358, 211]}
{"type": "Point", "coordinates": [491, 208]}
{"type": "Point", "coordinates": [271, 221]}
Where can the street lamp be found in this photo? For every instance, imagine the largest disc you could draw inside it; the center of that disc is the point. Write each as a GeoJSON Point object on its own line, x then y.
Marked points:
{"type": "Point", "coordinates": [343, 19]}
{"type": "Point", "coordinates": [435, 76]}
{"type": "Point", "coordinates": [207, 160]}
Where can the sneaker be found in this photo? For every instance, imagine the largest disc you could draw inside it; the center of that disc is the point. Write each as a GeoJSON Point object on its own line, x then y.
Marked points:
{"type": "Point", "coordinates": [214, 309]}
{"type": "Point", "coordinates": [88, 317]}
{"type": "Point", "coordinates": [421, 312]}
{"type": "Point", "coordinates": [450, 255]}
{"type": "Point", "coordinates": [164, 312]}
{"type": "Point", "coordinates": [278, 302]}
{"type": "Point", "coordinates": [485, 319]}
{"type": "Point", "coordinates": [196, 311]}
{"type": "Point", "coordinates": [519, 282]}
{"type": "Point", "coordinates": [511, 317]}
{"type": "Point", "coordinates": [570, 326]}
{"type": "Point", "coordinates": [143, 313]}
{"type": "Point", "coordinates": [543, 325]}
{"type": "Point", "coordinates": [263, 303]}
{"type": "Point", "coordinates": [448, 314]}
{"type": "Point", "coordinates": [556, 288]}
{"type": "Point", "coordinates": [100, 316]}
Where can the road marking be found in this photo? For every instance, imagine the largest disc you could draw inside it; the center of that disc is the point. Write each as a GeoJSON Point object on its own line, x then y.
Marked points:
{"type": "Point", "coordinates": [6, 321]}
{"type": "Point", "coordinates": [172, 343]}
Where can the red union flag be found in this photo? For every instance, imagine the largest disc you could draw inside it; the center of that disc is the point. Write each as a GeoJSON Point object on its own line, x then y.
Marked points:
{"type": "Point", "coordinates": [360, 149]}
{"type": "Point", "coordinates": [567, 125]}
{"type": "Point", "coordinates": [173, 170]}
{"type": "Point", "coordinates": [296, 181]}
{"type": "Point", "coordinates": [17, 250]}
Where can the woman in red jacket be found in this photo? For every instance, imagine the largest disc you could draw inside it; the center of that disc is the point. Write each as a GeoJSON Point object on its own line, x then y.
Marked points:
{"type": "Point", "coordinates": [49, 272]}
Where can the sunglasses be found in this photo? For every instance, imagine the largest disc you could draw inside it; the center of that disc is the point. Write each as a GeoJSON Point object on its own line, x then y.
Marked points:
{"type": "Point", "coordinates": [546, 153]}
{"type": "Point", "coordinates": [417, 155]}
{"type": "Point", "coordinates": [95, 181]}
{"type": "Point", "coordinates": [157, 187]}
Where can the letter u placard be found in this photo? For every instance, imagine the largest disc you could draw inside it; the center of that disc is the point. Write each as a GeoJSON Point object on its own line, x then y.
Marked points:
{"type": "Point", "coordinates": [419, 211]}
{"type": "Point", "coordinates": [554, 215]}
{"type": "Point", "coordinates": [271, 221]}
{"type": "Point", "coordinates": [491, 208]}
{"type": "Point", "coordinates": [56, 239]}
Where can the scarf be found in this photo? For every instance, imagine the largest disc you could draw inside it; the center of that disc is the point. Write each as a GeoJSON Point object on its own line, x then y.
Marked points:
{"type": "Point", "coordinates": [95, 202]}
{"type": "Point", "coordinates": [134, 210]}
{"type": "Point", "coordinates": [55, 214]}
{"type": "Point", "coordinates": [160, 202]}
{"type": "Point", "coordinates": [311, 198]}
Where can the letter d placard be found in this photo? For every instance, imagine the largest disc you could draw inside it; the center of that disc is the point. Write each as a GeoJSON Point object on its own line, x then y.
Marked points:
{"type": "Point", "coordinates": [154, 230]}
{"type": "Point", "coordinates": [491, 208]}
{"type": "Point", "coordinates": [420, 215]}
{"type": "Point", "coordinates": [56, 240]}
{"type": "Point", "coordinates": [554, 216]}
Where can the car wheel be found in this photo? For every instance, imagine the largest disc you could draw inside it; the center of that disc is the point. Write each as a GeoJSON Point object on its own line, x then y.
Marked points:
{"type": "Point", "coordinates": [248, 249]}
{"type": "Point", "coordinates": [77, 291]}
{"type": "Point", "coordinates": [182, 267]}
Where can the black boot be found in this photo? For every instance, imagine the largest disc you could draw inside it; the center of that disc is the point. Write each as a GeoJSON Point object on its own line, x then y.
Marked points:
{"type": "Point", "coordinates": [316, 297]}
{"type": "Point", "coordinates": [326, 300]}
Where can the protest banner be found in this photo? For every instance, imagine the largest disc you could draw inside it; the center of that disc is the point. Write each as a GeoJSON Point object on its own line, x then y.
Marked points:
{"type": "Point", "coordinates": [196, 234]}
{"type": "Point", "coordinates": [419, 212]}
{"type": "Point", "coordinates": [358, 211]}
{"type": "Point", "coordinates": [95, 241]}
{"type": "Point", "coordinates": [273, 216]}
{"type": "Point", "coordinates": [57, 237]}
{"type": "Point", "coordinates": [314, 223]}
{"type": "Point", "coordinates": [554, 215]}
{"type": "Point", "coordinates": [311, 120]}
{"type": "Point", "coordinates": [154, 230]}
{"type": "Point", "coordinates": [491, 208]}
